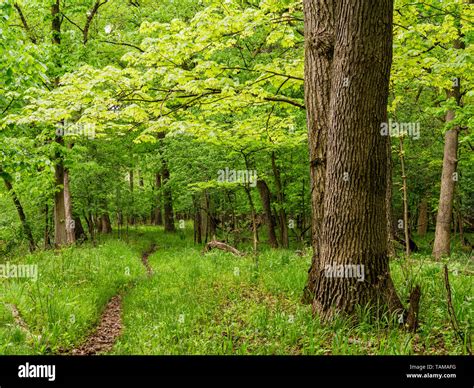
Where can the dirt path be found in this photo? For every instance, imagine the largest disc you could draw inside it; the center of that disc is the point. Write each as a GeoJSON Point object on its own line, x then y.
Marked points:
{"type": "Point", "coordinates": [103, 339]}
{"type": "Point", "coordinates": [109, 329]}
{"type": "Point", "coordinates": [145, 256]}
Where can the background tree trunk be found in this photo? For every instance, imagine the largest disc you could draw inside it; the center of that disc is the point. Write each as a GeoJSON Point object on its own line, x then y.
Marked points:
{"type": "Point", "coordinates": [157, 215]}
{"type": "Point", "coordinates": [21, 213]}
{"type": "Point", "coordinates": [167, 200]}
{"type": "Point", "coordinates": [60, 235]}
{"type": "Point", "coordinates": [70, 223]}
{"type": "Point", "coordinates": [267, 208]}
{"type": "Point", "coordinates": [422, 224]}
{"type": "Point", "coordinates": [281, 204]}
{"type": "Point", "coordinates": [442, 243]}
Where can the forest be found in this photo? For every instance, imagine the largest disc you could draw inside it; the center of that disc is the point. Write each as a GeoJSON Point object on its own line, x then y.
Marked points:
{"type": "Point", "coordinates": [236, 177]}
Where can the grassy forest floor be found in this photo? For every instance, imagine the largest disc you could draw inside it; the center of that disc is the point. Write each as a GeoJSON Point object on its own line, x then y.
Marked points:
{"type": "Point", "coordinates": [215, 303]}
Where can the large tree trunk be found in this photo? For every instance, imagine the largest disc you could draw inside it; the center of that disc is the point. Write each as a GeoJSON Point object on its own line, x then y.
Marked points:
{"type": "Point", "coordinates": [21, 213]}
{"type": "Point", "coordinates": [354, 227]}
{"type": "Point", "coordinates": [167, 200]}
{"type": "Point", "coordinates": [265, 196]}
{"type": "Point", "coordinates": [319, 18]}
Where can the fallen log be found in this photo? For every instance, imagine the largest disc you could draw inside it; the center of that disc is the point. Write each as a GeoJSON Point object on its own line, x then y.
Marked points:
{"type": "Point", "coordinates": [214, 244]}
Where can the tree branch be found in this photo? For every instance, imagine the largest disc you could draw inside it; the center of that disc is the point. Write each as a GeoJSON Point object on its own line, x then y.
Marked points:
{"type": "Point", "coordinates": [25, 23]}
{"type": "Point", "coordinates": [90, 17]}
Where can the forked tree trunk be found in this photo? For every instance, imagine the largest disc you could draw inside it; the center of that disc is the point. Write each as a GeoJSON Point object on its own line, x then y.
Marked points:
{"type": "Point", "coordinates": [265, 196]}
{"type": "Point", "coordinates": [354, 227]}
{"type": "Point", "coordinates": [319, 18]}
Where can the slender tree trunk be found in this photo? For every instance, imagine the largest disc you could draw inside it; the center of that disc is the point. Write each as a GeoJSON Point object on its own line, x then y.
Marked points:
{"type": "Point", "coordinates": [283, 221]}
{"type": "Point", "coordinates": [265, 196]}
{"type": "Point", "coordinates": [354, 227]}
{"type": "Point", "coordinates": [167, 200]}
{"type": "Point", "coordinates": [157, 215]}
{"type": "Point", "coordinates": [254, 219]}
{"type": "Point", "coordinates": [90, 226]}
{"type": "Point", "coordinates": [47, 228]}
{"type": "Point", "coordinates": [70, 223]}
{"type": "Point", "coordinates": [442, 243]}
{"type": "Point", "coordinates": [422, 224]}
{"type": "Point", "coordinates": [197, 222]}
{"type": "Point", "coordinates": [388, 200]}
{"type": "Point", "coordinates": [60, 233]}
{"type": "Point", "coordinates": [131, 179]}
{"type": "Point", "coordinates": [406, 225]}
{"type": "Point", "coordinates": [21, 214]}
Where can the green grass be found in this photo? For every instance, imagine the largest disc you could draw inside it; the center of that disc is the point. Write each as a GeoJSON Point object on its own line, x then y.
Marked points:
{"type": "Point", "coordinates": [67, 299]}
{"type": "Point", "coordinates": [217, 303]}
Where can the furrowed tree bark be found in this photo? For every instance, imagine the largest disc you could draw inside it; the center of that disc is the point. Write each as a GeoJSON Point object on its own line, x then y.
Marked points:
{"type": "Point", "coordinates": [267, 208]}
{"type": "Point", "coordinates": [354, 227]}
{"type": "Point", "coordinates": [319, 18]}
